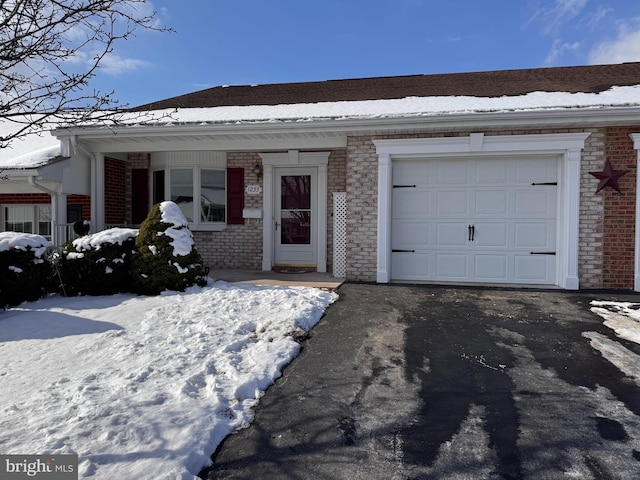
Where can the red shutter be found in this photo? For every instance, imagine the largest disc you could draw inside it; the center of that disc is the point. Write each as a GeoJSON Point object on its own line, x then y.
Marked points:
{"type": "Point", "coordinates": [139, 194]}
{"type": "Point", "coordinates": [235, 196]}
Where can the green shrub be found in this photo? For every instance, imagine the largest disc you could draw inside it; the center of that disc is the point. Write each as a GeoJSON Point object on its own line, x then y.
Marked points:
{"type": "Point", "coordinates": [98, 264]}
{"type": "Point", "coordinates": [24, 274]}
{"type": "Point", "coordinates": [166, 257]}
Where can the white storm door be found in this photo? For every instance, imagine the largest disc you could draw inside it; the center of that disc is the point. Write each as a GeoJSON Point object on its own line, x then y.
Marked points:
{"type": "Point", "coordinates": [295, 216]}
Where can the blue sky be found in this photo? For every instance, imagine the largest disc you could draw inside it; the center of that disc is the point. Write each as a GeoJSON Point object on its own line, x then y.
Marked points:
{"type": "Point", "coordinates": [240, 42]}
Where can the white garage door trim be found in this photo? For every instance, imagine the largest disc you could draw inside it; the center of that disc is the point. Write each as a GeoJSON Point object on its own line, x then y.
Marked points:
{"type": "Point", "coordinates": [566, 146]}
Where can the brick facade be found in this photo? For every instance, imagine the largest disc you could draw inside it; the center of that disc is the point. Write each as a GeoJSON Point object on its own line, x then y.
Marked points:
{"type": "Point", "coordinates": [114, 191]}
{"type": "Point", "coordinates": [606, 256]}
{"type": "Point", "coordinates": [620, 211]}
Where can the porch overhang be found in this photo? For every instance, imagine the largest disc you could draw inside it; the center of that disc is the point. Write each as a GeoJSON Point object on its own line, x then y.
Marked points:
{"type": "Point", "coordinates": [326, 133]}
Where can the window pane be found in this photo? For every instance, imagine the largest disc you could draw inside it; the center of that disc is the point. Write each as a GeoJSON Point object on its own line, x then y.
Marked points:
{"type": "Point", "coordinates": [182, 191]}
{"type": "Point", "coordinates": [44, 221]}
{"type": "Point", "coordinates": [158, 186]}
{"type": "Point", "coordinates": [19, 218]}
{"type": "Point", "coordinates": [296, 191]}
{"type": "Point", "coordinates": [213, 196]}
{"type": "Point", "coordinates": [296, 228]}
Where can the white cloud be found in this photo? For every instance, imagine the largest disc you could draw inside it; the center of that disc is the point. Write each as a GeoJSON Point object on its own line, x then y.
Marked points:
{"type": "Point", "coordinates": [116, 65]}
{"type": "Point", "coordinates": [558, 49]}
{"type": "Point", "coordinates": [624, 48]}
{"type": "Point", "coordinates": [553, 18]}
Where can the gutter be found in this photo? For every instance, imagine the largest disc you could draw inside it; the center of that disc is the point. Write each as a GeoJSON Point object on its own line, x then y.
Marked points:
{"type": "Point", "coordinates": [548, 118]}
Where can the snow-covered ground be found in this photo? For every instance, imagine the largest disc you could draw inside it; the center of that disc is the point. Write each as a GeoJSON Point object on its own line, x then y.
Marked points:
{"type": "Point", "coordinates": [624, 319]}
{"type": "Point", "coordinates": [145, 387]}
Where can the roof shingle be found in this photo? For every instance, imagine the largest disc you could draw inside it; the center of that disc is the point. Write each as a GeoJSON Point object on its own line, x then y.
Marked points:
{"type": "Point", "coordinates": [587, 79]}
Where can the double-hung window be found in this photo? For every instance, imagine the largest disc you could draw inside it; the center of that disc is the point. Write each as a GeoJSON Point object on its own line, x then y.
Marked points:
{"type": "Point", "coordinates": [28, 219]}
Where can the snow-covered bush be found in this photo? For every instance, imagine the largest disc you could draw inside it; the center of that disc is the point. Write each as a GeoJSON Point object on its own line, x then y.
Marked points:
{"type": "Point", "coordinates": [98, 264]}
{"type": "Point", "coordinates": [24, 274]}
{"type": "Point", "coordinates": [167, 258]}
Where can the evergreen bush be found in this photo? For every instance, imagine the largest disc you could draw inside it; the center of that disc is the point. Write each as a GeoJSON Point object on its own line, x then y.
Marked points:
{"type": "Point", "coordinates": [24, 274]}
{"type": "Point", "coordinates": [98, 264]}
{"type": "Point", "coordinates": [166, 257]}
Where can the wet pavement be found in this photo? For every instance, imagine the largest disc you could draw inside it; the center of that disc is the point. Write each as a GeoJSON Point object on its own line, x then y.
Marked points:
{"type": "Point", "coordinates": [427, 382]}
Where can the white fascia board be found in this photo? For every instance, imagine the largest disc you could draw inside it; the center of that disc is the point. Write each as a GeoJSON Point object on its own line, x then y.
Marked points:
{"type": "Point", "coordinates": [114, 136]}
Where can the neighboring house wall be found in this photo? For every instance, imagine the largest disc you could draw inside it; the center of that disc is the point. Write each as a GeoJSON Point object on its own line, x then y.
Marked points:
{"type": "Point", "coordinates": [620, 211]}
{"type": "Point", "coordinates": [43, 198]}
{"type": "Point", "coordinates": [114, 191]}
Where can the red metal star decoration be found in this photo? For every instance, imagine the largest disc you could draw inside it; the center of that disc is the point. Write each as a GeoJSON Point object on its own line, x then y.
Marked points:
{"type": "Point", "coordinates": [608, 177]}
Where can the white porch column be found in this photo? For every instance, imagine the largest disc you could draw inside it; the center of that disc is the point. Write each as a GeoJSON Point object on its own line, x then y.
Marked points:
{"type": "Point", "coordinates": [59, 218]}
{"type": "Point", "coordinates": [569, 279]}
{"type": "Point", "coordinates": [267, 206]}
{"type": "Point", "coordinates": [385, 188]}
{"type": "Point", "coordinates": [97, 192]}
{"type": "Point", "coordinates": [636, 275]}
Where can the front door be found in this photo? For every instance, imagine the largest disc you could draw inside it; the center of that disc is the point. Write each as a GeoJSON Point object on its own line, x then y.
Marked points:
{"type": "Point", "coordinates": [295, 215]}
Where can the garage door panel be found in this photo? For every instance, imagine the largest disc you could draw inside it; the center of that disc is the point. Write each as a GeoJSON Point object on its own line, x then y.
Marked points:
{"type": "Point", "coordinates": [410, 235]}
{"type": "Point", "coordinates": [492, 203]}
{"type": "Point", "coordinates": [418, 172]}
{"type": "Point", "coordinates": [534, 268]}
{"type": "Point", "coordinates": [411, 203]}
{"type": "Point", "coordinates": [492, 172]}
{"type": "Point", "coordinates": [452, 234]}
{"type": "Point", "coordinates": [535, 201]}
{"type": "Point", "coordinates": [452, 172]}
{"type": "Point", "coordinates": [452, 203]}
{"type": "Point", "coordinates": [538, 170]}
{"type": "Point", "coordinates": [534, 235]}
{"type": "Point", "coordinates": [491, 234]}
{"type": "Point", "coordinates": [491, 267]}
{"type": "Point", "coordinates": [410, 266]}
{"type": "Point", "coordinates": [451, 266]}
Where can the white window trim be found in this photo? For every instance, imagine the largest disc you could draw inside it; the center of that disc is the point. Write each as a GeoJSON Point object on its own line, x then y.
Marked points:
{"type": "Point", "coordinates": [35, 209]}
{"type": "Point", "coordinates": [567, 146]}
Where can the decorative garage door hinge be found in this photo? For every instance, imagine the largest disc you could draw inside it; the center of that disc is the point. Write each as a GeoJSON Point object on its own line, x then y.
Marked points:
{"type": "Point", "coordinates": [404, 186]}
{"type": "Point", "coordinates": [545, 183]}
{"type": "Point", "coordinates": [403, 251]}
{"type": "Point", "coordinates": [542, 253]}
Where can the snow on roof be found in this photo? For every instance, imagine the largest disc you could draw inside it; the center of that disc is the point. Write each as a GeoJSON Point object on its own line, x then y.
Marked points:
{"type": "Point", "coordinates": [628, 96]}
{"type": "Point", "coordinates": [31, 151]}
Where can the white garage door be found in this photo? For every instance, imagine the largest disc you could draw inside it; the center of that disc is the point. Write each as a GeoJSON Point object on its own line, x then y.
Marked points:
{"type": "Point", "coordinates": [490, 220]}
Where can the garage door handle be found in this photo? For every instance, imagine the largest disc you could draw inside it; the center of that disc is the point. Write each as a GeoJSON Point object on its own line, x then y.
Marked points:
{"type": "Point", "coordinates": [403, 251]}
{"type": "Point", "coordinates": [472, 232]}
{"type": "Point", "coordinates": [542, 253]}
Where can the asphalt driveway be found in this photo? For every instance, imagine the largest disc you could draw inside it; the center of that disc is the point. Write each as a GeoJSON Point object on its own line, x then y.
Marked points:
{"type": "Point", "coordinates": [421, 382]}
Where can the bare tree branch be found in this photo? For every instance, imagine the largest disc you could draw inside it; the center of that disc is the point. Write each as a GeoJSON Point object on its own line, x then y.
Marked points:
{"type": "Point", "coordinates": [49, 52]}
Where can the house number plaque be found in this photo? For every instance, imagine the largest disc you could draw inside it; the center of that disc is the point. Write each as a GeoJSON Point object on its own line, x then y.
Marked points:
{"type": "Point", "coordinates": [253, 190]}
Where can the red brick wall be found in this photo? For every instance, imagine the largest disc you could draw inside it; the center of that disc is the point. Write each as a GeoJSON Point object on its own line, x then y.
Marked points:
{"type": "Point", "coordinates": [85, 201]}
{"type": "Point", "coordinates": [620, 211]}
{"type": "Point", "coordinates": [43, 198]}
{"type": "Point", "coordinates": [114, 191]}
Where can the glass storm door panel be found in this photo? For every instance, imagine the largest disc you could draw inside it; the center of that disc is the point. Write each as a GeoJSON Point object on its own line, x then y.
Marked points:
{"type": "Point", "coordinates": [295, 217]}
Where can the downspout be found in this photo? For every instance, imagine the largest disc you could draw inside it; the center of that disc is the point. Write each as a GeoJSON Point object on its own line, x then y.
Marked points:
{"type": "Point", "coordinates": [57, 202]}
